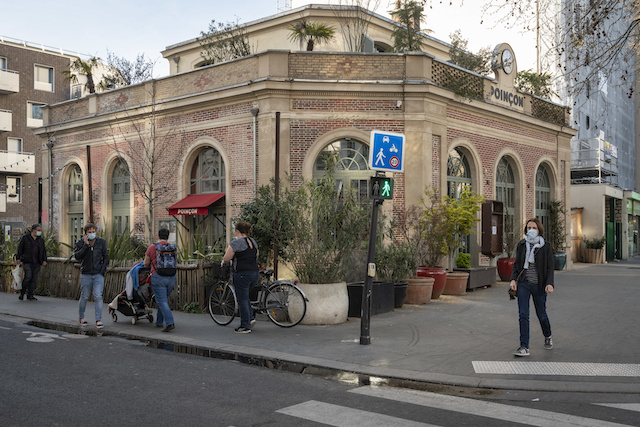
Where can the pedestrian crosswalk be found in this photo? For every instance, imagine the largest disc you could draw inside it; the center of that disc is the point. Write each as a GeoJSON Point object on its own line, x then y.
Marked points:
{"type": "Point", "coordinates": [337, 415]}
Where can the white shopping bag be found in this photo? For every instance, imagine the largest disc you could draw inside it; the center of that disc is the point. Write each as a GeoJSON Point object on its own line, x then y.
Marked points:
{"type": "Point", "coordinates": [16, 283]}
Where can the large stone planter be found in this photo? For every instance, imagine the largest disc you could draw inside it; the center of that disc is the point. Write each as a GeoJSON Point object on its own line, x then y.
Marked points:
{"type": "Point", "coordinates": [456, 283]}
{"type": "Point", "coordinates": [419, 290]}
{"type": "Point", "coordinates": [439, 275]}
{"type": "Point", "coordinates": [328, 303]}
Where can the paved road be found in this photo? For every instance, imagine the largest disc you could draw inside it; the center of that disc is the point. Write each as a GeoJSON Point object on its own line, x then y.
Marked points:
{"type": "Point", "coordinates": [465, 341]}
{"type": "Point", "coordinates": [57, 378]}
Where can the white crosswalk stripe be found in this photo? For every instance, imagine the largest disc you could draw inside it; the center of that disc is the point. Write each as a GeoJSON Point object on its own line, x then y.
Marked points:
{"type": "Point", "coordinates": [625, 406]}
{"type": "Point", "coordinates": [557, 368]}
{"type": "Point", "coordinates": [498, 411]}
{"type": "Point", "coordinates": [341, 416]}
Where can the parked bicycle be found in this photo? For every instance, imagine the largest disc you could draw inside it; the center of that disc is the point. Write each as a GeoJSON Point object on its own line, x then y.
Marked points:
{"type": "Point", "coordinates": [281, 300]}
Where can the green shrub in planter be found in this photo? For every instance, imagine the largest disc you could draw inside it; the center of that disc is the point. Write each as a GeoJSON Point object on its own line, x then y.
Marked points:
{"type": "Point", "coordinates": [463, 260]}
{"type": "Point", "coordinates": [595, 243]}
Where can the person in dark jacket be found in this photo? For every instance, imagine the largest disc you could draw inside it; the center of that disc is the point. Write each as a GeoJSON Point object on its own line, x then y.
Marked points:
{"type": "Point", "coordinates": [92, 252]}
{"type": "Point", "coordinates": [243, 252]}
{"type": "Point", "coordinates": [31, 255]}
{"type": "Point", "coordinates": [532, 277]}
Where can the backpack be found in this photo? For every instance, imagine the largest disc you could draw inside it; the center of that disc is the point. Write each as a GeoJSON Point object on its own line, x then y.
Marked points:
{"type": "Point", "coordinates": [166, 259]}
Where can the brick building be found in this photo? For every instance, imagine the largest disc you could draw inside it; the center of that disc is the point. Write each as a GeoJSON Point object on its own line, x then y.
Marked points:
{"type": "Point", "coordinates": [213, 132]}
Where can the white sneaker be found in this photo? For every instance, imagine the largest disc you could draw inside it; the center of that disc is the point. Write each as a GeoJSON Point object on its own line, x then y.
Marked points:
{"type": "Point", "coordinates": [522, 351]}
{"type": "Point", "coordinates": [253, 323]}
{"type": "Point", "coordinates": [99, 325]}
{"type": "Point", "coordinates": [83, 322]}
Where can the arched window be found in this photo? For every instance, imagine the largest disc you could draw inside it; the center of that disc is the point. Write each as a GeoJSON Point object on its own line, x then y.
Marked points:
{"type": "Point", "coordinates": [506, 193]}
{"type": "Point", "coordinates": [352, 165]}
{"type": "Point", "coordinates": [75, 210]}
{"type": "Point", "coordinates": [458, 179]}
{"type": "Point", "coordinates": [120, 197]}
{"type": "Point", "coordinates": [207, 173]}
{"type": "Point", "coordinates": [543, 196]}
{"type": "Point", "coordinates": [208, 176]}
{"type": "Point", "coordinates": [458, 173]}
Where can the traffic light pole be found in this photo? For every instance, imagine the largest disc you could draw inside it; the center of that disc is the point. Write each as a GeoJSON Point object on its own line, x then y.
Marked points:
{"type": "Point", "coordinates": [365, 320]}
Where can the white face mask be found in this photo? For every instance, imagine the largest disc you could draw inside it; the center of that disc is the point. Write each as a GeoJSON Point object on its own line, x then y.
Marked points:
{"type": "Point", "coordinates": [532, 234]}
{"type": "Point", "coordinates": [38, 233]}
{"type": "Point", "coordinates": [91, 236]}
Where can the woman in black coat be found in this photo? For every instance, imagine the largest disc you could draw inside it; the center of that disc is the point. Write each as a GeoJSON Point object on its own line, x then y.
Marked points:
{"type": "Point", "coordinates": [532, 277]}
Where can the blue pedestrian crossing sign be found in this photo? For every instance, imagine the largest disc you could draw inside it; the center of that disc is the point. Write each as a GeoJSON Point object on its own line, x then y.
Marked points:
{"type": "Point", "coordinates": [386, 151]}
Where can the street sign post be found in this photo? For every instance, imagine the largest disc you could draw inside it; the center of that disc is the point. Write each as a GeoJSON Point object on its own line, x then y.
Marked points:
{"type": "Point", "coordinates": [386, 151]}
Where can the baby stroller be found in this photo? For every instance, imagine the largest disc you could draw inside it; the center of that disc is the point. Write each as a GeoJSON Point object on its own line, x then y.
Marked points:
{"type": "Point", "coordinates": [137, 297]}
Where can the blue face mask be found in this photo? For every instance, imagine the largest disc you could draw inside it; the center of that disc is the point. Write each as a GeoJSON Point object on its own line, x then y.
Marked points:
{"type": "Point", "coordinates": [38, 233]}
{"type": "Point", "coordinates": [532, 234]}
{"type": "Point", "coordinates": [91, 236]}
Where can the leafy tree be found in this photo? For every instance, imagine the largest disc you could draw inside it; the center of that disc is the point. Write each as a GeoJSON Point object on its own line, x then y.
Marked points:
{"type": "Point", "coordinates": [478, 63]}
{"type": "Point", "coordinates": [84, 68]}
{"type": "Point", "coordinates": [262, 213]}
{"type": "Point", "coordinates": [597, 38]}
{"type": "Point", "coordinates": [223, 42]}
{"type": "Point", "coordinates": [124, 72]}
{"type": "Point", "coordinates": [407, 37]}
{"type": "Point", "coordinates": [141, 138]}
{"type": "Point", "coordinates": [310, 33]}
{"type": "Point", "coordinates": [535, 83]}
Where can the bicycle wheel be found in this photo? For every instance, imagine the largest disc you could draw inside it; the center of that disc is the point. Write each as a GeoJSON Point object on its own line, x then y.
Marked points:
{"type": "Point", "coordinates": [222, 303]}
{"type": "Point", "coordinates": [285, 304]}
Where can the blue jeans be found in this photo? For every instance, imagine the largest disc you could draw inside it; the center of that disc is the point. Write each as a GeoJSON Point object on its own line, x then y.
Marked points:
{"type": "Point", "coordinates": [162, 287]}
{"type": "Point", "coordinates": [526, 290]}
{"type": "Point", "coordinates": [30, 276]}
{"type": "Point", "coordinates": [88, 281]}
{"type": "Point", "coordinates": [243, 281]}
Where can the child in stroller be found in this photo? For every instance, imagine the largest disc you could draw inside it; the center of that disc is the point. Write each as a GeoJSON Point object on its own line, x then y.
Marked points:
{"type": "Point", "coordinates": [135, 300]}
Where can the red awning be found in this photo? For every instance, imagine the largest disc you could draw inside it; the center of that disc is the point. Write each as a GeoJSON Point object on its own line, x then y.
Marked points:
{"type": "Point", "coordinates": [195, 204]}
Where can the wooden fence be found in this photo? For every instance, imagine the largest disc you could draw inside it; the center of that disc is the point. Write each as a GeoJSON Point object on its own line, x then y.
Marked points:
{"type": "Point", "coordinates": [60, 278]}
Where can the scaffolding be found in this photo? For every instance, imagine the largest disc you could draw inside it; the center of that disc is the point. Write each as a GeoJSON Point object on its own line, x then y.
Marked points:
{"type": "Point", "coordinates": [594, 161]}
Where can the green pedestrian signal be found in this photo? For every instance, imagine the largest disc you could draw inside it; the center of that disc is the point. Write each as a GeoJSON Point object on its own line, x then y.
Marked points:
{"type": "Point", "coordinates": [381, 188]}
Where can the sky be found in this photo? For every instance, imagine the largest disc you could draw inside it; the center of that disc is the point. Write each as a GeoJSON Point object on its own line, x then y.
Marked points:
{"type": "Point", "coordinates": [128, 28]}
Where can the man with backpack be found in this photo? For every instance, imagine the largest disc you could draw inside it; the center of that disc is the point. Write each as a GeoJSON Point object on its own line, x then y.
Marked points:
{"type": "Point", "coordinates": [162, 257]}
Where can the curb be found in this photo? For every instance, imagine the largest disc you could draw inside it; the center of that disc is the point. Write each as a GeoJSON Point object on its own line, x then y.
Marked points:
{"type": "Point", "coordinates": [347, 372]}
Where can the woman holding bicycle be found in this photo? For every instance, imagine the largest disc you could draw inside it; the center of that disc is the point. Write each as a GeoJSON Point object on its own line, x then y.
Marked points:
{"type": "Point", "coordinates": [243, 253]}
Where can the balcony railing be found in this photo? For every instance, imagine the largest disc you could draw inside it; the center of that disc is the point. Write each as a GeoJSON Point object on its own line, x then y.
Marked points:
{"type": "Point", "coordinates": [17, 163]}
{"type": "Point", "coordinates": [9, 82]}
{"type": "Point", "coordinates": [5, 120]}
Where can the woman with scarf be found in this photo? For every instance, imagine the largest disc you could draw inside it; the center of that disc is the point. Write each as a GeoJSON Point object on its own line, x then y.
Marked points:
{"type": "Point", "coordinates": [532, 276]}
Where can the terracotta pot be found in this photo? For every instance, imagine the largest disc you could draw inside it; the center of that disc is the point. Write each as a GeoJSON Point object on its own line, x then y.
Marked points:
{"type": "Point", "coordinates": [439, 274]}
{"type": "Point", "coordinates": [456, 283]}
{"type": "Point", "coordinates": [505, 267]}
{"type": "Point", "coordinates": [419, 290]}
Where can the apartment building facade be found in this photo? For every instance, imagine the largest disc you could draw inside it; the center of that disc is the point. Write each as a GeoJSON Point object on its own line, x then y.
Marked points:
{"type": "Point", "coordinates": [30, 78]}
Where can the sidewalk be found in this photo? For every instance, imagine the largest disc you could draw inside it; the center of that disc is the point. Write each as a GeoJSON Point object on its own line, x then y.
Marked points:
{"type": "Point", "coordinates": [593, 315]}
